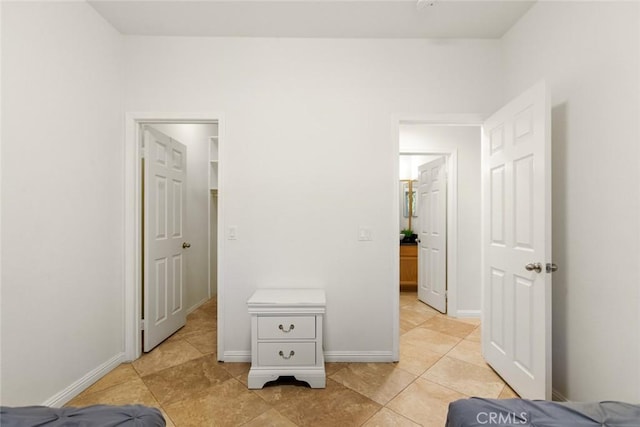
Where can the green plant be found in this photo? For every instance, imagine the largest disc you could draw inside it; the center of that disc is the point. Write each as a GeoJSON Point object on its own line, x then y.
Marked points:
{"type": "Point", "coordinates": [407, 232]}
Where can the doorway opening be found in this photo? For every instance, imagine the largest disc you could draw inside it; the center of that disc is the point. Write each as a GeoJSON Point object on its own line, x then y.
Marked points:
{"type": "Point", "coordinates": [196, 227]}
{"type": "Point", "coordinates": [416, 204]}
{"type": "Point", "coordinates": [457, 139]}
{"type": "Point", "coordinates": [513, 226]}
{"type": "Point", "coordinates": [179, 202]}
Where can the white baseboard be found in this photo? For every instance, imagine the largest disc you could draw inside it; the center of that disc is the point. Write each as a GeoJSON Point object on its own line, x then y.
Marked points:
{"type": "Point", "coordinates": [77, 387]}
{"type": "Point", "coordinates": [468, 313]}
{"type": "Point", "coordinates": [557, 396]}
{"type": "Point", "coordinates": [197, 305]}
{"type": "Point", "coordinates": [237, 356]}
{"type": "Point", "coordinates": [358, 356]}
{"type": "Point", "coordinates": [329, 356]}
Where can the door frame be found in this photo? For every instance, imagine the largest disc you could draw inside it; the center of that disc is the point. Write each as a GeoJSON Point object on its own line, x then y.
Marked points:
{"type": "Point", "coordinates": [452, 206]}
{"type": "Point", "coordinates": [133, 223]}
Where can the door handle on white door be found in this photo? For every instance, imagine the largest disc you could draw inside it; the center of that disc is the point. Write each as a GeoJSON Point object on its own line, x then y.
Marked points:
{"type": "Point", "coordinates": [186, 245]}
{"type": "Point", "coordinates": [534, 266]}
{"type": "Point", "coordinates": [551, 267]}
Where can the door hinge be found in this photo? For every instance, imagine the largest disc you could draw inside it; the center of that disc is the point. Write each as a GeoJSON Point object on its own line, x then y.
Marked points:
{"type": "Point", "coordinates": [142, 324]}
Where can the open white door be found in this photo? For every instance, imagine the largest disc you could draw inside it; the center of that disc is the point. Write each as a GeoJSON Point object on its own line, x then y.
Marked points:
{"type": "Point", "coordinates": [432, 241]}
{"type": "Point", "coordinates": [516, 243]}
{"type": "Point", "coordinates": [164, 215]}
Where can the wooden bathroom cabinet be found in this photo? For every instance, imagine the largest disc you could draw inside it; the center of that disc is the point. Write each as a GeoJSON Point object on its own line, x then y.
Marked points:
{"type": "Point", "coordinates": [408, 267]}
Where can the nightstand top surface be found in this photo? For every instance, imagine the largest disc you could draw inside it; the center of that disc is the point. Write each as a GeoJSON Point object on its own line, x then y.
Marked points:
{"type": "Point", "coordinates": [298, 297]}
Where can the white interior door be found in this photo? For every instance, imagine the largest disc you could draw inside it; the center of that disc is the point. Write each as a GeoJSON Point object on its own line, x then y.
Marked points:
{"type": "Point", "coordinates": [164, 226]}
{"type": "Point", "coordinates": [432, 241]}
{"type": "Point", "coordinates": [516, 243]}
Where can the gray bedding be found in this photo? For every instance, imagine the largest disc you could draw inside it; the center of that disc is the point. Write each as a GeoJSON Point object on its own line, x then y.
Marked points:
{"type": "Point", "coordinates": [479, 412]}
{"type": "Point", "coordinates": [97, 415]}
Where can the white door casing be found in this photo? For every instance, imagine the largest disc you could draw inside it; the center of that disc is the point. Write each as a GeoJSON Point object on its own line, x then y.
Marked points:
{"type": "Point", "coordinates": [516, 233]}
{"type": "Point", "coordinates": [432, 242]}
{"type": "Point", "coordinates": [164, 226]}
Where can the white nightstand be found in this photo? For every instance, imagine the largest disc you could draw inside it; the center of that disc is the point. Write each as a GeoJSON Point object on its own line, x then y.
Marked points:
{"type": "Point", "coordinates": [286, 336]}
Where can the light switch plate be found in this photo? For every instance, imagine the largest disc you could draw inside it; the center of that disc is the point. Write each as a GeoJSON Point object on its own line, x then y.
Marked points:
{"type": "Point", "coordinates": [232, 232]}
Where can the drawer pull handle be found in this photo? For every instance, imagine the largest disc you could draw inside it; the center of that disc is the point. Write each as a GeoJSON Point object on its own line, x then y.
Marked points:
{"type": "Point", "coordinates": [291, 353]}
{"type": "Point", "coordinates": [291, 327]}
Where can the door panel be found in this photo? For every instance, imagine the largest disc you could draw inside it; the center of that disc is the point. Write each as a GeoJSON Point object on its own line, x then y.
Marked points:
{"type": "Point", "coordinates": [495, 326]}
{"type": "Point", "coordinates": [516, 229]}
{"type": "Point", "coordinates": [177, 205]}
{"type": "Point", "coordinates": [177, 284]}
{"type": "Point", "coordinates": [164, 262]}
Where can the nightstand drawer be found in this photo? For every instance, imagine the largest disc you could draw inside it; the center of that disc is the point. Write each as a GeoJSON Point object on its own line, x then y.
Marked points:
{"type": "Point", "coordinates": [286, 353]}
{"type": "Point", "coordinates": [286, 327]}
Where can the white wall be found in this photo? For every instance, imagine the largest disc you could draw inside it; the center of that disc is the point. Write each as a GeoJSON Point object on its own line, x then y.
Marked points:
{"type": "Point", "coordinates": [588, 52]}
{"type": "Point", "coordinates": [409, 164]}
{"type": "Point", "coordinates": [196, 138]}
{"type": "Point", "coordinates": [62, 198]}
{"type": "Point", "coordinates": [310, 156]}
{"type": "Point", "coordinates": [309, 124]}
{"type": "Point", "coordinates": [466, 141]}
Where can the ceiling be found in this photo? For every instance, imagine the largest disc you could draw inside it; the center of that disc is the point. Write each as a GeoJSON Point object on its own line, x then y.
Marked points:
{"type": "Point", "coordinates": [314, 18]}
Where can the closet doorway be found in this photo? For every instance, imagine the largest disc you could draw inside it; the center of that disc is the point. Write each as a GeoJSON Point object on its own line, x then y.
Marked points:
{"type": "Point", "coordinates": [199, 135]}
{"type": "Point", "coordinates": [180, 165]}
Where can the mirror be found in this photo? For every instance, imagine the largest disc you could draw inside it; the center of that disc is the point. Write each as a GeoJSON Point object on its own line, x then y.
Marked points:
{"type": "Point", "coordinates": [409, 201]}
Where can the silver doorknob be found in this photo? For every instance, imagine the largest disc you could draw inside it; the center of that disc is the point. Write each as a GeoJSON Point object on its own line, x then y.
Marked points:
{"type": "Point", "coordinates": [534, 266]}
{"type": "Point", "coordinates": [186, 245]}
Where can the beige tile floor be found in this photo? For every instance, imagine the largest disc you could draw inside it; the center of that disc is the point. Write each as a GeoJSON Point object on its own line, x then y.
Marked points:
{"type": "Point", "coordinates": [440, 361]}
